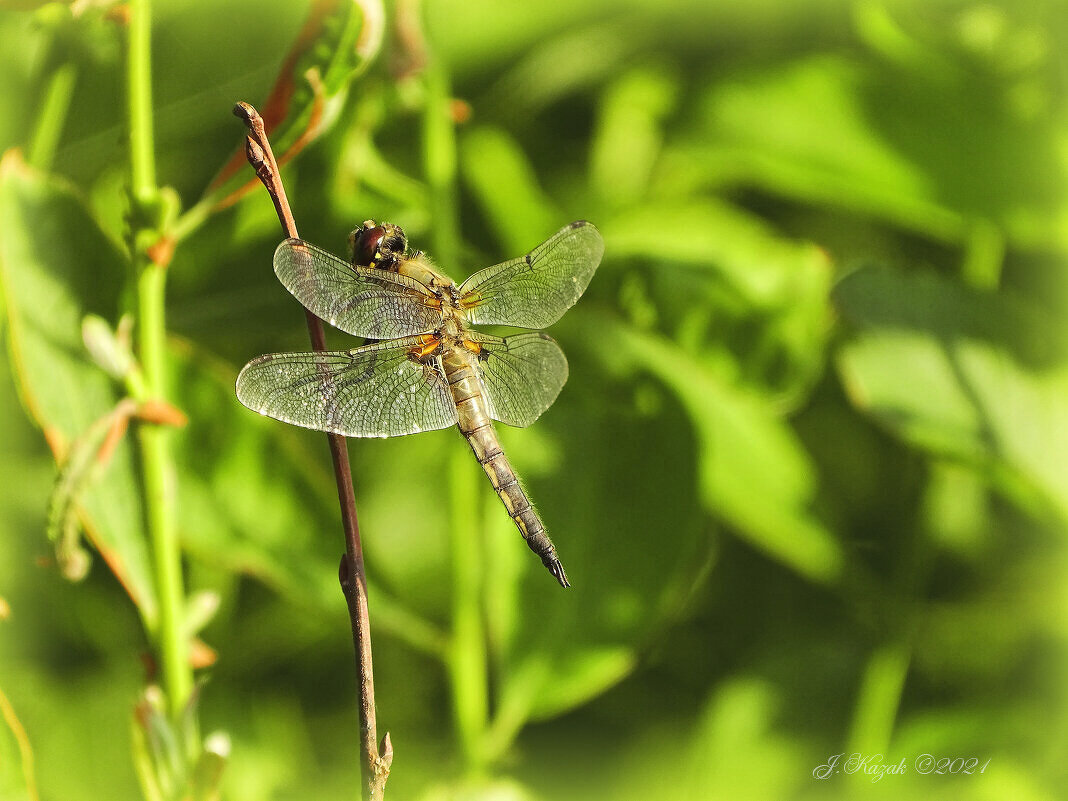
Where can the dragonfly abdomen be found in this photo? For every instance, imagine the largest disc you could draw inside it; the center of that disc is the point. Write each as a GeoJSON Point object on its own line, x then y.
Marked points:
{"type": "Point", "coordinates": [474, 423]}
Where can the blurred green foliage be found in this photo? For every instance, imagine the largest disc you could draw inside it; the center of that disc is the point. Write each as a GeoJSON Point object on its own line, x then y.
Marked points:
{"type": "Point", "coordinates": [809, 475]}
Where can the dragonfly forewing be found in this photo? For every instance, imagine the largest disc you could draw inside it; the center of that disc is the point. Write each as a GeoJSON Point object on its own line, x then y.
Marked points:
{"type": "Point", "coordinates": [378, 390]}
{"type": "Point", "coordinates": [361, 301]}
{"type": "Point", "coordinates": [535, 290]}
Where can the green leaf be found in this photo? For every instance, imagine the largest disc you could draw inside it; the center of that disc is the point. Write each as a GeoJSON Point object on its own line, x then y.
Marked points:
{"type": "Point", "coordinates": [158, 755]}
{"type": "Point", "coordinates": [745, 300]}
{"type": "Point", "coordinates": [753, 472]}
{"type": "Point", "coordinates": [479, 789]}
{"type": "Point", "coordinates": [111, 350]}
{"type": "Point", "coordinates": [880, 298]}
{"type": "Point", "coordinates": [737, 749]}
{"type": "Point", "coordinates": [978, 377]}
{"type": "Point", "coordinates": [208, 771]}
{"type": "Point", "coordinates": [56, 266]}
{"type": "Point", "coordinates": [542, 688]}
{"type": "Point", "coordinates": [765, 269]}
{"type": "Point", "coordinates": [79, 469]}
{"type": "Point", "coordinates": [564, 65]}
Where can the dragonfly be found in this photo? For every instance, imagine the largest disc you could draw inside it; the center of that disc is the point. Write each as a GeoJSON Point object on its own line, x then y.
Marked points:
{"type": "Point", "coordinates": [429, 369]}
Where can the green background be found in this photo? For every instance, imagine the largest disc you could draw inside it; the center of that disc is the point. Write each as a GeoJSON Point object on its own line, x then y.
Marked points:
{"type": "Point", "coordinates": [809, 476]}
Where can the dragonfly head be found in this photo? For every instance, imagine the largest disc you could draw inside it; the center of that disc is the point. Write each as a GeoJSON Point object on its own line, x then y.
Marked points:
{"type": "Point", "coordinates": [377, 245]}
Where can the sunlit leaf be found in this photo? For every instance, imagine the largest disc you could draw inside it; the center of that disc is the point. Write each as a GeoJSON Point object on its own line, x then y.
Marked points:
{"type": "Point", "coordinates": [571, 679]}
{"type": "Point", "coordinates": [56, 266]}
{"type": "Point", "coordinates": [737, 748]}
{"type": "Point", "coordinates": [479, 790]}
{"type": "Point", "coordinates": [852, 142]}
{"type": "Point", "coordinates": [762, 266]}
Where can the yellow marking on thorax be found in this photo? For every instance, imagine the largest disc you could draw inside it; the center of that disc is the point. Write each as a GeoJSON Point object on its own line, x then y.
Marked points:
{"type": "Point", "coordinates": [428, 343]}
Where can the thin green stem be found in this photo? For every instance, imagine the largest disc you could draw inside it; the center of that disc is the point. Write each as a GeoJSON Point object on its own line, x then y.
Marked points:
{"type": "Point", "coordinates": [879, 697]}
{"type": "Point", "coordinates": [53, 115]}
{"type": "Point", "coordinates": [882, 684]}
{"type": "Point", "coordinates": [177, 675]}
{"type": "Point", "coordinates": [439, 146]}
{"type": "Point", "coordinates": [192, 219]}
{"type": "Point", "coordinates": [139, 100]}
{"type": "Point", "coordinates": [467, 649]}
{"type": "Point", "coordinates": [159, 498]}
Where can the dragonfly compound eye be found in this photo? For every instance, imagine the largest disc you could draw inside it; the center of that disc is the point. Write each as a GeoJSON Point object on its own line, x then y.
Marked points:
{"type": "Point", "coordinates": [365, 243]}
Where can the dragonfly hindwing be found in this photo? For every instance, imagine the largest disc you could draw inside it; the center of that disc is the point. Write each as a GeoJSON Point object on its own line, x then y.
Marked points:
{"type": "Point", "coordinates": [522, 375]}
{"type": "Point", "coordinates": [374, 391]}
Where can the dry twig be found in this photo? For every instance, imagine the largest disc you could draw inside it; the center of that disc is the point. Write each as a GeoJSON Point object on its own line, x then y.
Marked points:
{"type": "Point", "coordinates": [376, 759]}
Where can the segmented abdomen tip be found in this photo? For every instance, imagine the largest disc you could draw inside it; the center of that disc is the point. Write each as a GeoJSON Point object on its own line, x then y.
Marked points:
{"type": "Point", "coordinates": [557, 570]}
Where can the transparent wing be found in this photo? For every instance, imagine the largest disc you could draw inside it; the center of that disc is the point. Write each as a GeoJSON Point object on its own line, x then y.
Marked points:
{"type": "Point", "coordinates": [522, 375]}
{"type": "Point", "coordinates": [359, 300]}
{"type": "Point", "coordinates": [373, 391]}
{"type": "Point", "coordinates": [535, 290]}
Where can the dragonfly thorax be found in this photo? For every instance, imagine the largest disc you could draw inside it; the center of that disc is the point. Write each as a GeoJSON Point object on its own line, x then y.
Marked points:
{"type": "Point", "coordinates": [419, 268]}
{"type": "Point", "coordinates": [452, 329]}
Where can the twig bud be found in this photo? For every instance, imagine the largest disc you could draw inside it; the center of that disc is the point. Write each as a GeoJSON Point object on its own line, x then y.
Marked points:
{"type": "Point", "coordinates": [254, 153]}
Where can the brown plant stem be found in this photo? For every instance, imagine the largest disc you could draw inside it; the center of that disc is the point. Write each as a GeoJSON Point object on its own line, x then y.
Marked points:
{"type": "Point", "coordinates": [376, 760]}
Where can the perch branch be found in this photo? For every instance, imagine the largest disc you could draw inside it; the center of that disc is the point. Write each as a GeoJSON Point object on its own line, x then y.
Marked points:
{"type": "Point", "coordinates": [376, 760]}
